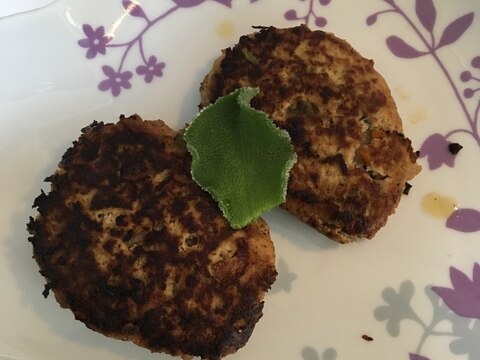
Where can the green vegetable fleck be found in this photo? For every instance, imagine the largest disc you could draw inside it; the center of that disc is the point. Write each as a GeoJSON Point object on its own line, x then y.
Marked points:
{"type": "Point", "coordinates": [250, 57]}
{"type": "Point", "coordinates": [240, 157]}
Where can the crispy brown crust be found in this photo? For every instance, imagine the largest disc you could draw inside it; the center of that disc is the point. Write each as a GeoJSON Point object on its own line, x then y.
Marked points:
{"type": "Point", "coordinates": [139, 252]}
{"type": "Point", "coordinates": [353, 160]}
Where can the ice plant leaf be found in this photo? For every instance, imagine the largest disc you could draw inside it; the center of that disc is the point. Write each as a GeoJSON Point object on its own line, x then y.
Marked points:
{"type": "Point", "coordinates": [240, 157]}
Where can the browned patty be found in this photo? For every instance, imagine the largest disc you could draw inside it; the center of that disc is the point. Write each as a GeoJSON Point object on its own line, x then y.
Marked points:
{"type": "Point", "coordinates": [139, 252]}
{"type": "Point", "coordinates": [353, 159]}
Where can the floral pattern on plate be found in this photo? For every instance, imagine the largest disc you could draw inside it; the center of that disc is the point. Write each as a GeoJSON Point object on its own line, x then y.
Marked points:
{"type": "Point", "coordinates": [437, 148]}
{"type": "Point", "coordinates": [459, 305]}
{"type": "Point", "coordinates": [428, 31]}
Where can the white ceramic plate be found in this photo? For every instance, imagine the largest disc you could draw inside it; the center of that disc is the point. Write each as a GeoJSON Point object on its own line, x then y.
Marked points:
{"type": "Point", "coordinates": [413, 291]}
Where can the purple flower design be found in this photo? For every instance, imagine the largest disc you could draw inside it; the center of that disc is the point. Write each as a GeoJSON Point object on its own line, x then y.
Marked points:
{"type": "Point", "coordinates": [435, 148]}
{"type": "Point", "coordinates": [417, 357]}
{"type": "Point", "coordinates": [116, 80]}
{"type": "Point", "coordinates": [433, 39]}
{"type": "Point", "coordinates": [95, 41]}
{"type": "Point", "coordinates": [464, 297]}
{"type": "Point", "coordinates": [320, 21]}
{"type": "Point", "coordinates": [192, 3]}
{"type": "Point", "coordinates": [150, 69]}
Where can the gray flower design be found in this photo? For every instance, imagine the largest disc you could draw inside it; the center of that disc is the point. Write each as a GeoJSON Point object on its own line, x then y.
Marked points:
{"type": "Point", "coordinates": [457, 306]}
{"type": "Point", "coordinates": [467, 343]}
{"type": "Point", "coordinates": [398, 307]}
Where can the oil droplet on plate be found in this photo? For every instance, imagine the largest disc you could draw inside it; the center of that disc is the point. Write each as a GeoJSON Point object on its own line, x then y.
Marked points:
{"type": "Point", "coordinates": [226, 29]}
{"type": "Point", "coordinates": [401, 93]}
{"type": "Point", "coordinates": [417, 115]}
{"type": "Point", "coordinates": [438, 205]}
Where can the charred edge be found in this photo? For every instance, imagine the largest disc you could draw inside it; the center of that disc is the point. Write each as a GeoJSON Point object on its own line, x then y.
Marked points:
{"type": "Point", "coordinates": [50, 178]}
{"type": "Point", "coordinates": [46, 290]}
{"type": "Point", "coordinates": [454, 148]}
{"type": "Point", "coordinates": [374, 175]}
{"type": "Point", "coordinates": [407, 188]}
{"type": "Point", "coordinates": [93, 125]}
{"type": "Point", "coordinates": [40, 199]}
{"type": "Point", "coordinates": [31, 225]}
{"type": "Point", "coordinates": [339, 160]}
{"type": "Point", "coordinates": [353, 224]}
{"type": "Point", "coordinates": [303, 195]}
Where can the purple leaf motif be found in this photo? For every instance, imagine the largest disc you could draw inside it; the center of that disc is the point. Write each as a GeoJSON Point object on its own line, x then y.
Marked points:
{"type": "Point", "coordinates": [417, 357]}
{"type": "Point", "coordinates": [188, 3]}
{"type": "Point", "coordinates": [133, 9]}
{"type": "Point", "coordinates": [464, 220]}
{"type": "Point", "coordinates": [192, 3]}
{"type": "Point", "coordinates": [227, 3]}
{"type": "Point", "coordinates": [464, 298]}
{"type": "Point", "coordinates": [324, 2]}
{"type": "Point", "coordinates": [426, 13]}
{"type": "Point", "coordinates": [372, 19]}
{"type": "Point", "coordinates": [401, 49]}
{"type": "Point", "coordinates": [455, 29]}
{"type": "Point", "coordinates": [435, 148]}
{"type": "Point", "coordinates": [476, 62]}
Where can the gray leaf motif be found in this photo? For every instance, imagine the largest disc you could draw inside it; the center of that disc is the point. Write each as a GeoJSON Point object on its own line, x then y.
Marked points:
{"type": "Point", "coordinates": [398, 307]}
{"type": "Point", "coordinates": [467, 332]}
{"type": "Point", "coordinates": [309, 353]}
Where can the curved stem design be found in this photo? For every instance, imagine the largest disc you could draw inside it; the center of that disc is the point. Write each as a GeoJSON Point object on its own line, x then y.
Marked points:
{"type": "Point", "coordinates": [139, 37]}
{"type": "Point", "coordinates": [432, 50]}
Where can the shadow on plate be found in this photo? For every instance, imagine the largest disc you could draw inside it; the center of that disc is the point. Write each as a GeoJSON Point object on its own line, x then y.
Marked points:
{"type": "Point", "coordinates": [296, 232]}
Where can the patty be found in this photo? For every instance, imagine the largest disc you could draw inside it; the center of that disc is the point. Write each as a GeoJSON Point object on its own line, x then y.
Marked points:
{"type": "Point", "coordinates": [353, 158]}
{"type": "Point", "coordinates": [132, 245]}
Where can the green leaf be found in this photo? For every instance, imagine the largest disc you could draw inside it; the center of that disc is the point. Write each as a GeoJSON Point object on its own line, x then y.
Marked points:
{"type": "Point", "coordinates": [240, 157]}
